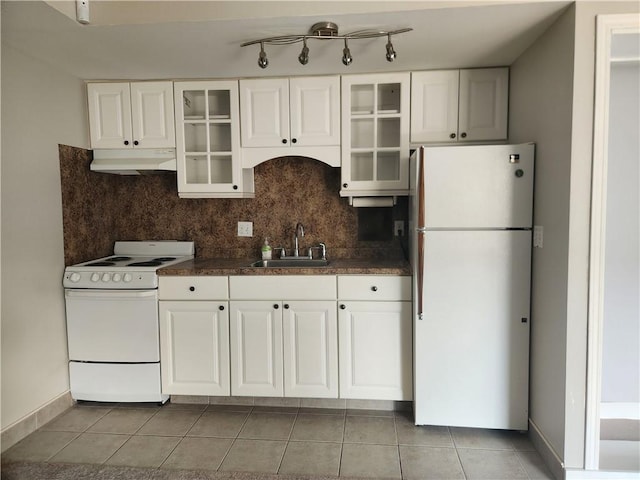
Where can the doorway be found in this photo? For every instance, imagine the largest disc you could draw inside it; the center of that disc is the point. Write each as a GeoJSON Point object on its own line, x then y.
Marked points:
{"type": "Point", "coordinates": [613, 398]}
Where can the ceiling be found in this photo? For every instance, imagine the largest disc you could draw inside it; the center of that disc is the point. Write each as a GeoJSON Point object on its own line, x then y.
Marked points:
{"type": "Point", "coordinates": [184, 39]}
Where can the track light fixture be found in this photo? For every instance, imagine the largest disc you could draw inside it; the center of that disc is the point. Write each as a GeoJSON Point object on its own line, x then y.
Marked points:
{"type": "Point", "coordinates": [262, 58]}
{"type": "Point", "coordinates": [303, 58]}
{"type": "Point", "coordinates": [325, 31]}
{"type": "Point", "coordinates": [346, 54]}
{"type": "Point", "coordinates": [391, 53]}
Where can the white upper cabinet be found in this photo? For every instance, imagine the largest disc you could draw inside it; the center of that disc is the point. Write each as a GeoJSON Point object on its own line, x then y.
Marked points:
{"type": "Point", "coordinates": [375, 134]}
{"type": "Point", "coordinates": [459, 105]}
{"type": "Point", "coordinates": [208, 141]}
{"type": "Point", "coordinates": [290, 116]}
{"type": "Point", "coordinates": [131, 115]}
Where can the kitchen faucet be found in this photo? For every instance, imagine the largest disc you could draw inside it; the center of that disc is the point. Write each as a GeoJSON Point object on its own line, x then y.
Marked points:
{"type": "Point", "coordinates": [298, 233]}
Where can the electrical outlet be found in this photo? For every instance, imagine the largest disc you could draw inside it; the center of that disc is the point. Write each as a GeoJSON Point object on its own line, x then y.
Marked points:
{"type": "Point", "coordinates": [538, 236]}
{"type": "Point", "coordinates": [245, 229]}
{"type": "Point", "coordinates": [398, 228]}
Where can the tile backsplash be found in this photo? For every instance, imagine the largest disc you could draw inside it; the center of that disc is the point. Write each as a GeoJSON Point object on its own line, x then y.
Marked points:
{"type": "Point", "coordinates": [100, 208]}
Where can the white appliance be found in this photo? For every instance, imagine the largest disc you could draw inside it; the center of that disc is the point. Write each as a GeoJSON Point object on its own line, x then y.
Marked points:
{"type": "Point", "coordinates": [113, 325]}
{"type": "Point", "coordinates": [471, 214]}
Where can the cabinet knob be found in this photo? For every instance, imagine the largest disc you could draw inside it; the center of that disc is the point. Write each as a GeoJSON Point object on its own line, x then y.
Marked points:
{"type": "Point", "coordinates": [221, 307]}
{"type": "Point", "coordinates": [135, 142]}
{"type": "Point", "coordinates": [235, 187]}
{"type": "Point", "coordinates": [294, 140]}
{"type": "Point", "coordinates": [342, 306]}
{"type": "Point", "coordinates": [126, 142]}
{"type": "Point", "coordinates": [345, 185]}
{"type": "Point", "coordinates": [452, 135]}
{"type": "Point", "coordinates": [463, 135]}
{"type": "Point", "coordinates": [192, 288]}
{"type": "Point", "coordinates": [276, 306]}
{"type": "Point", "coordinates": [284, 140]}
{"type": "Point", "coordinates": [286, 305]}
{"type": "Point", "coordinates": [374, 289]}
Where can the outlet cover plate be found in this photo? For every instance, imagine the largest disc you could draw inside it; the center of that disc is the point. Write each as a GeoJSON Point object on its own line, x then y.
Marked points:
{"type": "Point", "coordinates": [245, 229]}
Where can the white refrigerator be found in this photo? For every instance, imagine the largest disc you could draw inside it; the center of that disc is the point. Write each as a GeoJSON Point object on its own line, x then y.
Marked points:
{"type": "Point", "coordinates": [470, 219]}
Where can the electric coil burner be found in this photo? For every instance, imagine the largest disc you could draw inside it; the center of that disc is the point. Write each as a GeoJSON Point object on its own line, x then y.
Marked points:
{"type": "Point", "coordinates": [113, 325]}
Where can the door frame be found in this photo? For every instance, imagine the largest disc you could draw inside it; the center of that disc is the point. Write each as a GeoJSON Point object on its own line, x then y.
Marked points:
{"type": "Point", "coordinates": [606, 27]}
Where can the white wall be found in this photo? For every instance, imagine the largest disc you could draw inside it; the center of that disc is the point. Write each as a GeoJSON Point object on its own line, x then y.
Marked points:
{"type": "Point", "coordinates": [621, 339]}
{"type": "Point", "coordinates": [41, 107]}
{"type": "Point", "coordinates": [551, 103]}
{"type": "Point", "coordinates": [540, 111]}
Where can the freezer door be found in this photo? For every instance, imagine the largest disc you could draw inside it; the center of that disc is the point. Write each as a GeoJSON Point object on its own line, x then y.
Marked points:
{"type": "Point", "coordinates": [472, 345]}
{"type": "Point", "coordinates": [479, 186]}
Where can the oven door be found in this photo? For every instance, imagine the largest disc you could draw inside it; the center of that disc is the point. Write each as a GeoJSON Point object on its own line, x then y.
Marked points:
{"type": "Point", "coordinates": [113, 325]}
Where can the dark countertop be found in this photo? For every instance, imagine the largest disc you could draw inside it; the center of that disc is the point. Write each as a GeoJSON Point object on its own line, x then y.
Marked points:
{"type": "Point", "coordinates": [239, 266]}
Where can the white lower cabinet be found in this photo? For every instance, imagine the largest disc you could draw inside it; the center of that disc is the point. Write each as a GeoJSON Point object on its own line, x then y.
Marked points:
{"type": "Point", "coordinates": [194, 335]}
{"type": "Point", "coordinates": [375, 347]}
{"type": "Point", "coordinates": [284, 347]}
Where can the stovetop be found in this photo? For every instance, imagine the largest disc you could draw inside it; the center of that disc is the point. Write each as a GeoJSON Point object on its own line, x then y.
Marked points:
{"type": "Point", "coordinates": [132, 265]}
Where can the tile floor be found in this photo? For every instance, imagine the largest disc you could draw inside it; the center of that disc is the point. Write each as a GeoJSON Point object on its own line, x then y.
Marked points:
{"type": "Point", "coordinates": [287, 440]}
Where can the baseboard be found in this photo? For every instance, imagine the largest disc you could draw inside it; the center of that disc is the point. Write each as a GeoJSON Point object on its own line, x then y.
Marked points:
{"type": "Point", "coordinates": [546, 451]}
{"type": "Point", "coordinates": [31, 422]}
{"type": "Point", "coordinates": [620, 410]}
{"type": "Point", "coordinates": [573, 474]}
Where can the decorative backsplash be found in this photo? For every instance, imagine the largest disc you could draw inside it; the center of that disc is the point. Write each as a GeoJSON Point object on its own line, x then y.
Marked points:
{"type": "Point", "coordinates": [100, 208]}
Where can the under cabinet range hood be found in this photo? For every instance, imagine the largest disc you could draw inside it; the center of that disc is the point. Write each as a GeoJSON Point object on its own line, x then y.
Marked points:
{"type": "Point", "coordinates": [133, 161]}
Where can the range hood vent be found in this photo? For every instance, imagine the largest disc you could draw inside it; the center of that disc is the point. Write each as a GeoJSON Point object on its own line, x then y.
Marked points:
{"type": "Point", "coordinates": [134, 161]}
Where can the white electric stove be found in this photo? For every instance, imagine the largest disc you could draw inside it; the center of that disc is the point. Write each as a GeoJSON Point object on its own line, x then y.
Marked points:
{"type": "Point", "coordinates": [112, 322]}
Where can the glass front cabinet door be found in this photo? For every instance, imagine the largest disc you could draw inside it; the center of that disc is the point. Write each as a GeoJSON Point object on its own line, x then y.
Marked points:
{"type": "Point", "coordinates": [208, 141]}
{"type": "Point", "coordinates": [375, 135]}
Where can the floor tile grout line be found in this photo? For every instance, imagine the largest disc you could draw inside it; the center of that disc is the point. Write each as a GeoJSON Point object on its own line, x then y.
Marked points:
{"type": "Point", "coordinates": [64, 446]}
{"type": "Point", "coordinates": [236, 437]}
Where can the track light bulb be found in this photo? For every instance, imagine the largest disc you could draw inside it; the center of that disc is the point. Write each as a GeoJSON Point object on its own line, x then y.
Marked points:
{"type": "Point", "coordinates": [391, 53]}
{"type": "Point", "coordinates": [303, 58]}
{"type": "Point", "coordinates": [262, 58]}
{"type": "Point", "coordinates": [346, 54]}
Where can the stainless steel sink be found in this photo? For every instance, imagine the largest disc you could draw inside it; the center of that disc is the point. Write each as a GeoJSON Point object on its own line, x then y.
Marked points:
{"type": "Point", "coordinates": [289, 263]}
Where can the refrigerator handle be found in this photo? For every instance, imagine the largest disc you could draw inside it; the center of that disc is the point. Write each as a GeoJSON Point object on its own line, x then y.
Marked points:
{"type": "Point", "coordinates": [420, 224]}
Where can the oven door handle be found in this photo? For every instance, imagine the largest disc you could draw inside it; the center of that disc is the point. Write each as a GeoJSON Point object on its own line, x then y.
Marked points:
{"type": "Point", "coordinates": [111, 294]}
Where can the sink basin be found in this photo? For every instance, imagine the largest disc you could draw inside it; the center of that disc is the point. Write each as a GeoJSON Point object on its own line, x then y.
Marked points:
{"type": "Point", "coordinates": [287, 263]}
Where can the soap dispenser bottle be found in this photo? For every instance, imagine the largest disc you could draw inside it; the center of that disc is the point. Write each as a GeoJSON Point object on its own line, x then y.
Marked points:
{"type": "Point", "coordinates": [266, 250]}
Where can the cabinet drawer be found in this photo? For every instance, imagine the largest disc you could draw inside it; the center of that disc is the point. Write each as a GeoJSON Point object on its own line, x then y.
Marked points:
{"type": "Point", "coordinates": [374, 287]}
{"type": "Point", "coordinates": [283, 287]}
{"type": "Point", "coordinates": [193, 288]}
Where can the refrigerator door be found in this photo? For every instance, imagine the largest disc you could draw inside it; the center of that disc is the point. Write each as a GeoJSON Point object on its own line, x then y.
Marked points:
{"type": "Point", "coordinates": [472, 345]}
{"type": "Point", "coordinates": [479, 187]}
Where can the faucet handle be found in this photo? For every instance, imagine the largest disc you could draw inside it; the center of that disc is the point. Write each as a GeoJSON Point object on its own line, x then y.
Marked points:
{"type": "Point", "coordinates": [283, 252]}
{"type": "Point", "coordinates": [323, 250]}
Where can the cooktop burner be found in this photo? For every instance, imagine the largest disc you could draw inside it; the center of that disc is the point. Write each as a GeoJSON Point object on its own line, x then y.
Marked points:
{"type": "Point", "coordinates": [117, 259]}
{"type": "Point", "coordinates": [149, 263]}
{"type": "Point", "coordinates": [100, 264]}
{"type": "Point", "coordinates": [164, 259]}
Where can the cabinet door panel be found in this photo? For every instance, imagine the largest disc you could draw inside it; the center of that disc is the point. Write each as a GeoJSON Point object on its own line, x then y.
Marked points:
{"type": "Point", "coordinates": [194, 348]}
{"type": "Point", "coordinates": [434, 102]}
{"type": "Point", "coordinates": [483, 104]}
{"type": "Point", "coordinates": [375, 350]}
{"type": "Point", "coordinates": [152, 114]}
{"type": "Point", "coordinates": [256, 349]}
{"type": "Point", "coordinates": [315, 110]}
{"type": "Point", "coordinates": [109, 115]}
{"type": "Point", "coordinates": [265, 112]}
{"type": "Point", "coordinates": [310, 349]}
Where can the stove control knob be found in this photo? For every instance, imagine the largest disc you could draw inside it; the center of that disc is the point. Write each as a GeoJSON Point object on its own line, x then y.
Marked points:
{"type": "Point", "coordinates": [116, 277]}
{"type": "Point", "coordinates": [74, 277]}
{"type": "Point", "coordinates": [127, 277]}
{"type": "Point", "coordinates": [106, 277]}
{"type": "Point", "coordinates": [95, 277]}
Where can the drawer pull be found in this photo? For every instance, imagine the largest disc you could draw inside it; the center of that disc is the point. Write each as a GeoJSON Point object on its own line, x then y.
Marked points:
{"type": "Point", "coordinates": [221, 307]}
{"type": "Point", "coordinates": [343, 306]}
{"type": "Point", "coordinates": [374, 289]}
{"type": "Point", "coordinates": [286, 305]}
{"type": "Point", "coordinates": [276, 306]}
{"type": "Point", "coordinates": [192, 288]}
